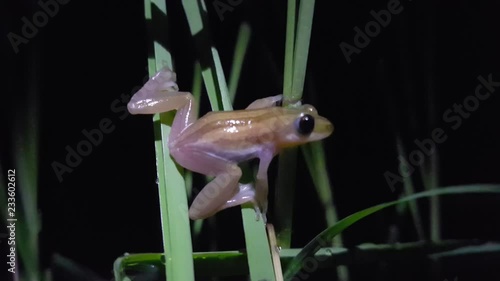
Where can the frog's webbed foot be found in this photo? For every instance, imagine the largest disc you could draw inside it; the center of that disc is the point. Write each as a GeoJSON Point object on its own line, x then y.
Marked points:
{"type": "Point", "coordinates": [159, 94]}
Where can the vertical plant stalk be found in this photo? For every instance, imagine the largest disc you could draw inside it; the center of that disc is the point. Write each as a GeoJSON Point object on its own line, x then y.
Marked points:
{"type": "Point", "coordinates": [171, 185]}
{"type": "Point", "coordinates": [188, 175]}
{"type": "Point", "coordinates": [258, 252]}
{"type": "Point", "coordinates": [301, 48]}
{"type": "Point", "coordinates": [238, 58]}
{"type": "Point", "coordinates": [317, 160]}
{"type": "Point", "coordinates": [285, 184]}
{"type": "Point", "coordinates": [296, 55]}
{"type": "Point", "coordinates": [289, 51]}
{"type": "Point", "coordinates": [314, 156]}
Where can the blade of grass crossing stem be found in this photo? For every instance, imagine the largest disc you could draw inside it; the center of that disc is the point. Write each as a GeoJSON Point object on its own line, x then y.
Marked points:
{"type": "Point", "coordinates": [285, 184]}
{"type": "Point", "coordinates": [258, 252]}
{"type": "Point", "coordinates": [322, 239]}
{"type": "Point", "coordinates": [238, 58]}
{"type": "Point", "coordinates": [173, 200]}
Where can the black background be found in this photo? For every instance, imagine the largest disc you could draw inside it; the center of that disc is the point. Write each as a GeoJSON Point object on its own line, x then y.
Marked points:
{"type": "Point", "coordinates": [90, 53]}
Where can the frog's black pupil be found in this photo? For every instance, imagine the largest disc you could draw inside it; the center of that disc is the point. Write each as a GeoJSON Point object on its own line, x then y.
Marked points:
{"type": "Point", "coordinates": [305, 124]}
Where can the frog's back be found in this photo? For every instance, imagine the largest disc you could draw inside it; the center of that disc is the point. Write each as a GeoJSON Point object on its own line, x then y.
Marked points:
{"type": "Point", "coordinates": [237, 135]}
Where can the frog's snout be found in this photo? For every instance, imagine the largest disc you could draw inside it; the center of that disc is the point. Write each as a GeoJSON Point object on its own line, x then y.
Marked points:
{"type": "Point", "coordinates": [324, 127]}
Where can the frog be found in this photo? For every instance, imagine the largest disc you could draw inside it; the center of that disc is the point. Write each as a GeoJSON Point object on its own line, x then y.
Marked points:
{"type": "Point", "coordinates": [217, 143]}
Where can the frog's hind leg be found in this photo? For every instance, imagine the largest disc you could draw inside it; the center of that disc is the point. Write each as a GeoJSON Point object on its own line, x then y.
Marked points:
{"type": "Point", "coordinates": [216, 193]}
{"type": "Point", "coordinates": [213, 197]}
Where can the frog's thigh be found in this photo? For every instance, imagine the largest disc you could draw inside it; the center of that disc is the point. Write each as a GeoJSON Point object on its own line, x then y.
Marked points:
{"type": "Point", "coordinates": [265, 102]}
{"type": "Point", "coordinates": [217, 192]}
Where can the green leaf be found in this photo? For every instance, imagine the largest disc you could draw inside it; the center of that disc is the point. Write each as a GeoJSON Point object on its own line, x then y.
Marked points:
{"type": "Point", "coordinates": [322, 239]}
{"type": "Point", "coordinates": [301, 48]}
{"type": "Point", "coordinates": [173, 200]}
{"type": "Point", "coordinates": [289, 51]}
{"type": "Point", "coordinates": [239, 56]}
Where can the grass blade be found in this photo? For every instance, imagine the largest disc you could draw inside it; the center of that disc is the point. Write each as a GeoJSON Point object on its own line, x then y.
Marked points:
{"type": "Point", "coordinates": [188, 175]}
{"type": "Point", "coordinates": [301, 48]}
{"type": "Point", "coordinates": [469, 250]}
{"type": "Point", "coordinates": [26, 217]}
{"type": "Point", "coordinates": [296, 54]}
{"type": "Point", "coordinates": [213, 75]}
{"type": "Point", "coordinates": [314, 156]}
{"type": "Point", "coordinates": [322, 239]}
{"type": "Point", "coordinates": [259, 256]}
{"type": "Point", "coordinates": [316, 163]}
{"type": "Point", "coordinates": [239, 56]}
{"type": "Point", "coordinates": [289, 51]}
{"type": "Point", "coordinates": [285, 185]}
{"type": "Point", "coordinates": [173, 200]}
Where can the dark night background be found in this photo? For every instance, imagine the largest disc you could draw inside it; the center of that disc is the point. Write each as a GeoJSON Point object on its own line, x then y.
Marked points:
{"type": "Point", "coordinates": [91, 52]}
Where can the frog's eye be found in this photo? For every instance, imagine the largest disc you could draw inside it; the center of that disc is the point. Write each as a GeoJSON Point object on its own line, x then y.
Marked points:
{"type": "Point", "coordinates": [304, 124]}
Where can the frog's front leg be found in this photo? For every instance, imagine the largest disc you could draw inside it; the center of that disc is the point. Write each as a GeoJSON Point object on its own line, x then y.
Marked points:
{"type": "Point", "coordinates": [161, 94]}
{"type": "Point", "coordinates": [261, 184]}
{"type": "Point", "coordinates": [265, 102]}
